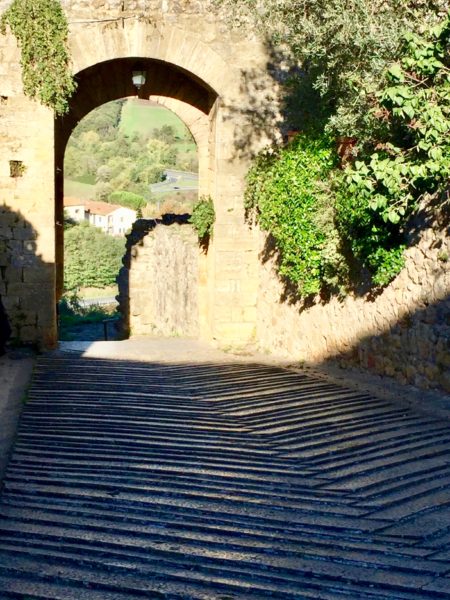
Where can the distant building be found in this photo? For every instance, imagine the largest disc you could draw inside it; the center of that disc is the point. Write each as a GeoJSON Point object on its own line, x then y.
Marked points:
{"type": "Point", "coordinates": [111, 218]}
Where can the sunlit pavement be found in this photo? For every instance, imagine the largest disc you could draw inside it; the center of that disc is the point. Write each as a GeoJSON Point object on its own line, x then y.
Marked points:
{"type": "Point", "coordinates": [141, 473]}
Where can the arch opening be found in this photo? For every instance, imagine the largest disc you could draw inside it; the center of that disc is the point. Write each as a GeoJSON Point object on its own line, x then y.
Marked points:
{"type": "Point", "coordinates": [184, 94]}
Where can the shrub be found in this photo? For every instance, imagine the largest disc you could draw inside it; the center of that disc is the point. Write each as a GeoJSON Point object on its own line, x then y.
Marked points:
{"type": "Point", "coordinates": [128, 199]}
{"type": "Point", "coordinates": [203, 217]}
{"type": "Point", "coordinates": [41, 29]}
{"type": "Point", "coordinates": [288, 188]}
{"type": "Point", "coordinates": [378, 194]}
{"type": "Point", "coordinates": [91, 258]}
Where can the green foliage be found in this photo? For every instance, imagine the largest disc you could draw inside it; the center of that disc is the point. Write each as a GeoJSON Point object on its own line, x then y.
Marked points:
{"type": "Point", "coordinates": [91, 258]}
{"type": "Point", "coordinates": [288, 189]}
{"type": "Point", "coordinates": [327, 222]}
{"type": "Point", "coordinates": [72, 313]}
{"type": "Point", "coordinates": [127, 199]}
{"type": "Point", "coordinates": [102, 151]}
{"type": "Point", "coordinates": [103, 120]}
{"type": "Point", "coordinates": [203, 217]}
{"type": "Point", "coordinates": [378, 246]}
{"type": "Point", "coordinates": [339, 50]}
{"type": "Point", "coordinates": [378, 194]}
{"type": "Point", "coordinates": [41, 29]}
{"type": "Point", "coordinates": [166, 133]}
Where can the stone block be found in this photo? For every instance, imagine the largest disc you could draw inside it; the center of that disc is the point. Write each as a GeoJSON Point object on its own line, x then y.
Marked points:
{"type": "Point", "coordinates": [8, 219]}
{"type": "Point", "coordinates": [6, 233]}
{"type": "Point", "coordinates": [235, 334]}
{"type": "Point", "coordinates": [431, 371]}
{"type": "Point", "coordinates": [17, 288]}
{"type": "Point", "coordinates": [37, 302]}
{"type": "Point", "coordinates": [245, 314]}
{"type": "Point", "coordinates": [24, 233]}
{"type": "Point", "coordinates": [13, 275]}
{"type": "Point", "coordinates": [11, 303]}
{"type": "Point", "coordinates": [444, 381]}
{"type": "Point", "coordinates": [42, 274]}
{"type": "Point", "coordinates": [222, 313]}
{"type": "Point", "coordinates": [443, 358]}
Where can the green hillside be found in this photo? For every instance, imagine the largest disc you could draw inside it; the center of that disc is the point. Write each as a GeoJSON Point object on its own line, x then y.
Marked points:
{"type": "Point", "coordinates": [76, 189]}
{"type": "Point", "coordinates": [105, 156]}
{"type": "Point", "coordinates": [143, 117]}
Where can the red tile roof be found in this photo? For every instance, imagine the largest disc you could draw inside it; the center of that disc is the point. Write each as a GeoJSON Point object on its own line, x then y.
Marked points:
{"type": "Point", "coordinates": [95, 207]}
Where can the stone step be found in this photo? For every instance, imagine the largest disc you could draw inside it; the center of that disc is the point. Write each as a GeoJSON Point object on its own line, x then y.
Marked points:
{"type": "Point", "coordinates": [131, 480]}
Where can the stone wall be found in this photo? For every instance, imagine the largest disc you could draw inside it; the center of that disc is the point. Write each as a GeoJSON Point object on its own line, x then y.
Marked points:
{"type": "Point", "coordinates": [21, 272]}
{"type": "Point", "coordinates": [27, 246]}
{"type": "Point", "coordinates": [403, 332]}
{"type": "Point", "coordinates": [159, 283]}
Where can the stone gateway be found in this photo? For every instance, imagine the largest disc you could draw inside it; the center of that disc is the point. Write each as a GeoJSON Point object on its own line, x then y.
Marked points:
{"type": "Point", "coordinates": [214, 80]}
{"type": "Point", "coordinates": [219, 83]}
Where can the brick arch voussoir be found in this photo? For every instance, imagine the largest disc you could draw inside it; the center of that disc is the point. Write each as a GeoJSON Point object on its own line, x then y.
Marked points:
{"type": "Point", "coordinates": [162, 42]}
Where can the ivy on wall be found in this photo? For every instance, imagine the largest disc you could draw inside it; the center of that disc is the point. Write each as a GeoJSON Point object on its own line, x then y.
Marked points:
{"type": "Point", "coordinates": [285, 188]}
{"type": "Point", "coordinates": [41, 29]}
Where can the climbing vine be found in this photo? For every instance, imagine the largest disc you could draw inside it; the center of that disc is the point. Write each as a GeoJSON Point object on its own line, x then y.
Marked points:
{"type": "Point", "coordinates": [41, 30]}
{"type": "Point", "coordinates": [287, 188]}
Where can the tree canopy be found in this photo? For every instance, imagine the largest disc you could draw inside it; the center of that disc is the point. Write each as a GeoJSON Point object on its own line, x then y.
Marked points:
{"type": "Point", "coordinates": [91, 258]}
{"type": "Point", "coordinates": [376, 72]}
{"type": "Point", "coordinates": [339, 50]}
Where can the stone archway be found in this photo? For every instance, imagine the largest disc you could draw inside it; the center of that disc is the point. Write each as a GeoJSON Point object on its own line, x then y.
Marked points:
{"type": "Point", "coordinates": [189, 97]}
{"type": "Point", "coordinates": [213, 79]}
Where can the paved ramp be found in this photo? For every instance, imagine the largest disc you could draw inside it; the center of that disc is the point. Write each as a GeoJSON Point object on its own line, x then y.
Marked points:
{"type": "Point", "coordinates": [236, 481]}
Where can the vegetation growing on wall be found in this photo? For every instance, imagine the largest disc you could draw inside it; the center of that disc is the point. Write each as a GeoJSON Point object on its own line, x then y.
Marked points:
{"type": "Point", "coordinates": [203, 217]}
{"type": "Point", "coordinates": [41, 30]}
{"type": "Point", "coordinates": [288, 188]}
{"type": "Point", "coordinates": [402, 157]}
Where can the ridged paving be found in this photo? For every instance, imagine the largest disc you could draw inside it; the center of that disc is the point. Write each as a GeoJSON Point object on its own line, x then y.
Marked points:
{"type": "Point", "coordinates": [220, 481]}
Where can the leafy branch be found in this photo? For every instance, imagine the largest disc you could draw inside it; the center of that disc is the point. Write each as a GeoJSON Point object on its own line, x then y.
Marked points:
{"type": "Point", "coordinates": [382, 189]}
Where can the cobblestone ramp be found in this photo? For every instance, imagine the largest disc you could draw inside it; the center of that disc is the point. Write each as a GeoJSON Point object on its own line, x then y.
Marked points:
{"type": "Point", "coordinates": [235, 481]}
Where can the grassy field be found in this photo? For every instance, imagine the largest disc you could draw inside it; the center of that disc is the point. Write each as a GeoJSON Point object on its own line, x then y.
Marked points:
{"type": "Point", "coordinates": [144, 118]}
{"type": "Point", "coordinates": [85, 179]}
{"type": "Point", "coordinates": [76, 189]}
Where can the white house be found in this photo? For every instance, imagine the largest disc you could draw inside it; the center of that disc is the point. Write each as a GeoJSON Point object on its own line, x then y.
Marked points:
{"type": "Point", "coordinates": [75, 209]}
{"type": "Point", "coordinates": [111, 218]}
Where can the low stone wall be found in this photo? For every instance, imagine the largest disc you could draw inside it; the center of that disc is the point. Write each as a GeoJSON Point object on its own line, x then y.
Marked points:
{"type": "Point", "coordinates": [403, 332]}
{"type": "Point", "coordinates": [159, 283]}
